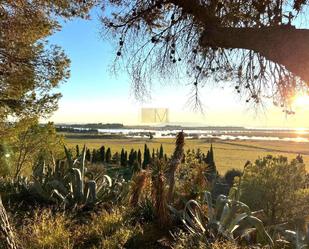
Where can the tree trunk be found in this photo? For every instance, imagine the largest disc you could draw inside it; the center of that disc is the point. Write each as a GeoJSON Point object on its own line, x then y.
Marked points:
{"type": "Point", "coordinates": [284, 45]}
{"type": "Point", "coordinates": [7, 239]}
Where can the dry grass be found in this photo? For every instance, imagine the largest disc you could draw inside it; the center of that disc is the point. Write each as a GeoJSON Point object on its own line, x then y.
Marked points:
{"type": "Point", "coordinates": [45, 230]}
{"type": "Point", "coordinates": [108, 230]}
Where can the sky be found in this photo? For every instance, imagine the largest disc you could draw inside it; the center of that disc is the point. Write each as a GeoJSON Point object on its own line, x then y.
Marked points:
{"type": "Point", "coordinates": [93, 94]}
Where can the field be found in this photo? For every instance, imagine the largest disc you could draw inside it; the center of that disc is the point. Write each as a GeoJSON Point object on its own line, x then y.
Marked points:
{"type": "Point", "coordinates": [228, 154]}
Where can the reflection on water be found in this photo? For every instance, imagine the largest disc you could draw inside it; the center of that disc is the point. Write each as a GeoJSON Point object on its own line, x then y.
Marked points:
{"type": "Point", "coordinates": [297, 135]}
{"type": "Point", "coordinates": [294, 135]}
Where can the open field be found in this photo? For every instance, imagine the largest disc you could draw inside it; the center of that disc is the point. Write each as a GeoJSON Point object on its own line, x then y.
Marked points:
{"type": "Point", "coordinates": [228, 154]}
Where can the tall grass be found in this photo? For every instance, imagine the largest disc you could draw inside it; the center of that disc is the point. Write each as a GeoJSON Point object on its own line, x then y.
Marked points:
{"type": "Point", "coordinates": [45, 230]}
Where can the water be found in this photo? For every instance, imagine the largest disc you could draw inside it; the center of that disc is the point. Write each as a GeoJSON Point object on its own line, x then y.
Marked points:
{"type": "Point", "coordinates": [228, 134]}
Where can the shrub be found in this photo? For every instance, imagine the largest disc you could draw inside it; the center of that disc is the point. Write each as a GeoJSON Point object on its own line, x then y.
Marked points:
{"type": "Point", "coordinates": [272, 184]}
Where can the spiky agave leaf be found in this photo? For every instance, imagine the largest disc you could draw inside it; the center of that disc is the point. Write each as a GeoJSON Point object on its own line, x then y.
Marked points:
{"type": "Point", "coordinates": [55, 194]}
{"type": "Point", "coordinates": [69, 157]}
{"type": "Point", "coordinates": [192, 217]}
{"type": "Point", "coordinates": [108, 181]}
{"type": "Point", "coordinates": [77, 184]}
{"type": "Point", "coordinates": [220, 203]}
{"type": "Point", "coordinates": [82, 161]}
{"type": "Point", "coordinates": [90, 192]}
{"type": "Point", "coordinates": [208, 200]}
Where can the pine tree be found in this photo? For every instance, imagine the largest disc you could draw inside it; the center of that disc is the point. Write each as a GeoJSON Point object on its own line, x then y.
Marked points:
{"type": "Point", "coordinates": [108, 155]}
{"type": "Point", "coordinates": [88, 155]}
{"type": "Point", "coordinates": [102, 153]}
{"type": "Point", "coordinates": [77, 150]}
{"type": "Point", "coordinates": [161, 153]}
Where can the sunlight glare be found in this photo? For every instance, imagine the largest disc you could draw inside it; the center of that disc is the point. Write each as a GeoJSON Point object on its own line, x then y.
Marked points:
{"type": "Point", "coordinates": [301, 101]}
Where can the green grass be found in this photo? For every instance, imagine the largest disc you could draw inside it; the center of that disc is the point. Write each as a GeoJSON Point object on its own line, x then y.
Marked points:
{"type": "Point", "coordinates": [228, 154]}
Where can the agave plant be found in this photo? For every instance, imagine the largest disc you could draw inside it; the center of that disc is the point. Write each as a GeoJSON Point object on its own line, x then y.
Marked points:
{"type": "Point", "coordinates": [297, 239]}
{"type": "Point", "coordinates": [70, 182]}
{"type": "Point", "coordinates": [227, 217]}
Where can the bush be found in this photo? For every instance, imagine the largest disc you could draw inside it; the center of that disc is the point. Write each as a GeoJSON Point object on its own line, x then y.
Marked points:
{"type": "Point", "coordinates": [273, 184]}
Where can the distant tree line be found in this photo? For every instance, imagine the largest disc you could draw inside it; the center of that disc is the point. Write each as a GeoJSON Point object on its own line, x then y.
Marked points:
{"type": "Point", "coordinates": [74, 130]}
{"type": "Point", "coordinates": [94, 126]}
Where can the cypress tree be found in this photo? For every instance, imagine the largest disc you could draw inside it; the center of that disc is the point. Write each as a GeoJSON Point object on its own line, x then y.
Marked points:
{"type": "Point", "coordinates": [165, 157]}
{"type": "Point", "coordinates": [134, 157]}
{"type": "Point", "coordinates": [153, 154]}
{"type": "Point", "coordinates": [139, 157]}
{"type": "Point", "coordinates": [125, 158]}
{"type": "Point", "coordinates": [206, 160]}
{"type": "Point", "coordinates": [147, 157]}
{"type": "Point", "coordinates": [131, 161]}
{"type": "Point", "coordinates": [212, 172]}
{"type": "Point", "coordinates": [108, 155]}
{"type": "Point", "coordinates": [211, 155]}
{"type": "Point", "coordinates": [94, 156]}
{"type": "Point", "coordinates": [77, 151]}
{"type": "Point", "coordinates": [122, 163]}
{"type": "Point", "coordinates": [102, 153]}
{"type": "Point", "coordinates": [88, 155]}
{"type": "Point", "coordinates": [116, 158]}
{"type": "Point", "coordinates": [161, 153]}
{"type": "Point", "coordinates": [136, 167]}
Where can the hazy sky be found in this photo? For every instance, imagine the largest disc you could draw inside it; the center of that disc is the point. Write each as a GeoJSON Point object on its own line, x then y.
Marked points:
{"type": "Point", "coordinates": [93, 94]}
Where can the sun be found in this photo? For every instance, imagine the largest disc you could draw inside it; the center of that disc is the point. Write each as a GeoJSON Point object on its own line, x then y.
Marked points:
{"type": "Point", "coordinates": [301, 101]}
